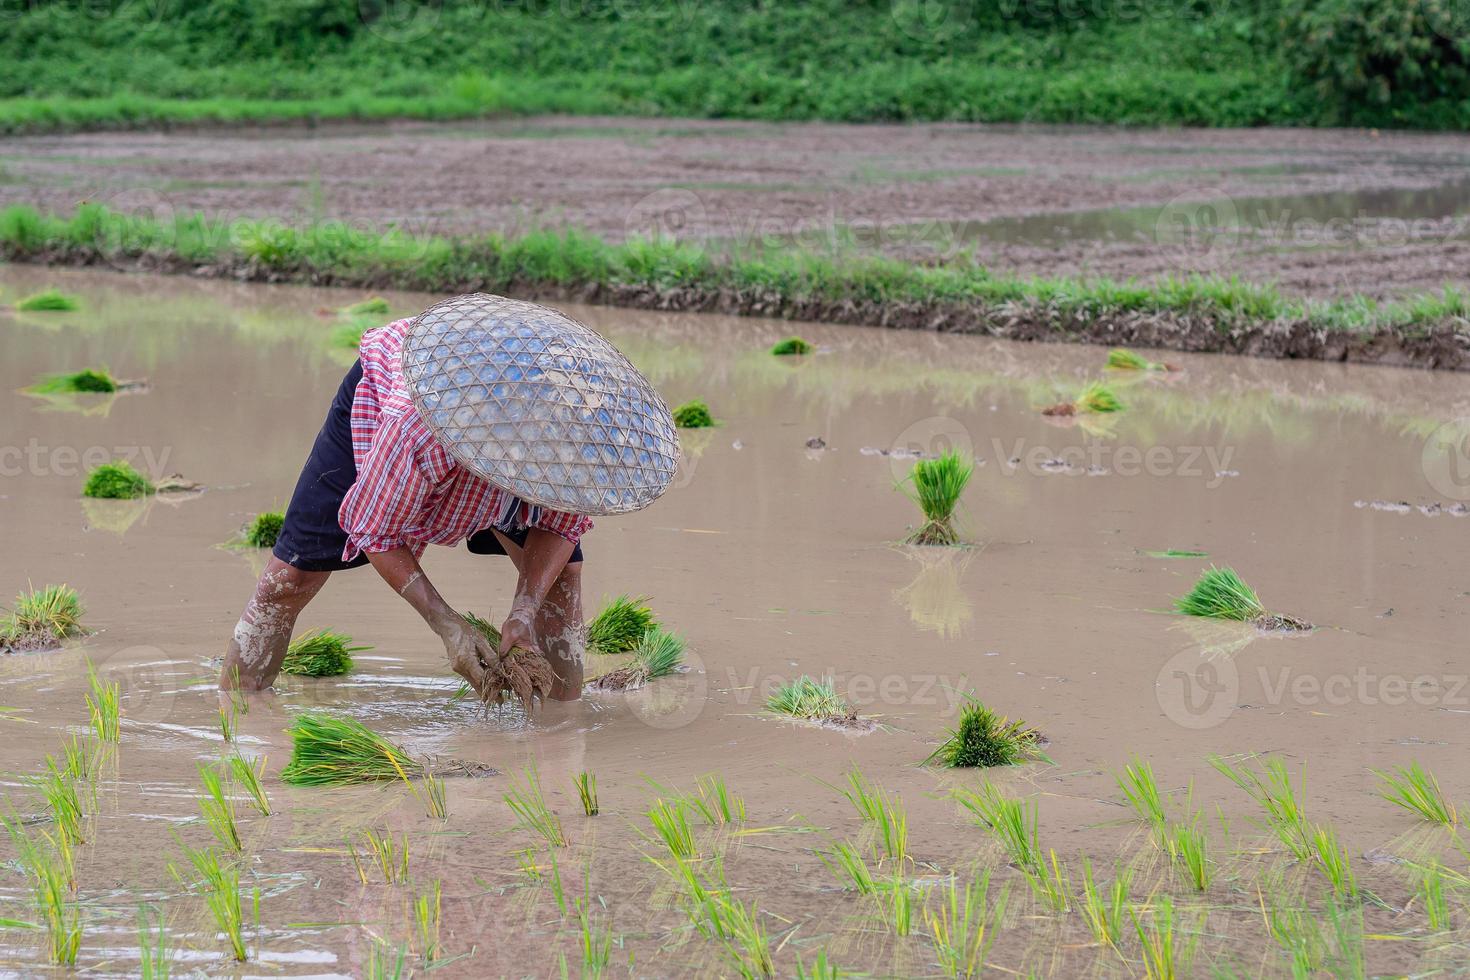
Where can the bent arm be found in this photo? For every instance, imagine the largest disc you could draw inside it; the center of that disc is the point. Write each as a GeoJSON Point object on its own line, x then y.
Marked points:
{"type": "Point", "coordinates": [400, 569]}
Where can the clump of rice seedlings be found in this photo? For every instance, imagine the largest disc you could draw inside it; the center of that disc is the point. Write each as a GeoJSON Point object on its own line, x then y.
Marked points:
{"type": "Point", "coordinates": [984, 739]}
{"type": "Point", "coordinates": [1272, 789]}
{"type": "Point", "coordinates": [1177, 553]}
{"type": "Point", "coordinates": [374, 305]}
{"type": "Point", "coordinates": [1099, 398]}
{"type": "Point", "coordinates": [621, 625]}
{"type": "Point", "coordinates": [1220, 594]}
{"type": "Point", "coordinates": [966, 925]}
{"type": "Point", "coordinates": [822, 968]}
{"type": "Point", "coordinates": [810, 700]}
{"type": "Point", "coordinates": [1165, 955]}
{"type": "Point", "coordinates": [104, 705]}
{"type": "Point", "coordinates": [82, 760]}
{"type": "Point", "coordinates": [348, 335]}
{"type": "Point", "coordinates": [221, 884]}
{"type": "Point", "coordinates": [1050, 884]}
{"type": "Point", "coordinates": [117, 481]}
{"type": "Point", "coordinates": [1296, 930]}
{"type": "Point", "coordinates": [263, 529]}
{"type": "Point", "coordinates": [670, 819]}
{"type": "Point", "coordinates": [387, 963]}
{"type": "Point", "coordinates": [218, 808]}
{"type": "Point", "coordinates": [154, 954]}
{"type": "Point", "coordinates": [49, 873]}
{"type": "Point", "coordinates": [659, 654]}
{"type": "Point", "coordinates": [331, 751]}
{"type": "Point", "coordinates": [59, 792]}
{"type": "Point", "coordinates": [320, 653]}
{"type": "Point", "coordinates": [1346, 957]}
{"type": "Point", "coordinates": [1142, 791]}
{"type": "Point", "coordinates": [693, 415]}
{"type": "Point", "coordinates": [529, 805]}
{"type": "Point", "coordinates": [596, 942]}
{"type": "Point", "coordinates": [1187, 849]}
{"type": "Point", "coordinates": [1011, 821]}
{"type": "Point", "coordinates": [587, 792]}
{"type": "Point", "coordinates": [42, 618]}
{"type": "Point", "coordinates": [865, 798]}
{"type": "Point", "coordinates": [248, 775]}
{"type": "Point", "coordinates": [1436, 904]}
{"type": "Point", "coordinates": [435, 794]}
{"type": "Point", "coordinates": [49, 301]}
{"type": "Point", "coordinates": [1103, 911]}
{"type": "Point", "coordinates": [426, 916]}
{"type": "Point", "coordinates": [936, 486]}
{"type": "Point", "coordinates": [389, 855]}
{"type": "Point", "coordinates": [1331, 859]}
{"type": "Point", "coordinates": [896, 897]}
{"type": "Point", "coordinates": [716, 803]}
{"type": "Point", "coordinates": [1417, 791]}
{"type": "Point", "coordinates": [84, 382]}
{"type": "Point", "coordinates": [848, 864]}
{"type": "Point", "coordinates": [523, 672]}
{"type": "Point", "coordinates": [716, 914]}
{"type": "Point", "coordinates": [1122, 359]}
{"type": "Point", "coordinates": [791, 345]}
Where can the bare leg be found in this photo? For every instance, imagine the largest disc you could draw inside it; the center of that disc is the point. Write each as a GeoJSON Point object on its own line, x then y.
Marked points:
{"type": "Point", "coordinates": [259, 643]}
{"type": "Point", "coordinates": [559, 628]}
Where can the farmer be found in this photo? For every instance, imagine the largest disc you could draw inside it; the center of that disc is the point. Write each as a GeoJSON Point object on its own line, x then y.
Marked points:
{"type": "Point", "coordinates": [417, 426]}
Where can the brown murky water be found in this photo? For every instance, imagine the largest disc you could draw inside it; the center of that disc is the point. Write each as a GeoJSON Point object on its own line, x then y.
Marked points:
{"type": "Point", "coordinates": [773, 559]}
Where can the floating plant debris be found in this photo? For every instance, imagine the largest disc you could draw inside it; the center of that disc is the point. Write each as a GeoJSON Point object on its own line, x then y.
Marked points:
{"type": "Point", "coordinates": [331, 751]}
{"type": "Point", "coordinates": [42, 618]}
{"type": "Point", "coordinates": [524, 673]}
{"type": "Point", "coordinates": [263, 529]}
{"type": "Point", "coordinates": [117, 481]}
{"type": "Point", "coordinates": [792, 345]}
{"type": "Point", "coordinates": [320, 653]}
{"type": "Point", "coordinates": [983, 739]}
{"type": "Point", "coordinates": [1097, 398]}
{"type": "Point", "coordinates": [621, 625]}
{"type": "Point", "coordinates": [374, 305]}
{"type": "Point", "coordinates": [812, 700]}
{"type": "Point", "coordinates": [658, 654]}
{"type": "Point", "coordinates": [86, 381]}
{"type": "Point", "coordinates": [693, 415]}
{"type": "Point", "coordinates": [1221, 594]}
{"type": "Point", "coordinates": [48, 301]}
{"type": "Point", "coordinates": [936, 485]}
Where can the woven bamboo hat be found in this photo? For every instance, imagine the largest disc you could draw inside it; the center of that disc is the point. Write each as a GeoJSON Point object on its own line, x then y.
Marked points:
{"type": "Point", "coordinates": [538, 404]}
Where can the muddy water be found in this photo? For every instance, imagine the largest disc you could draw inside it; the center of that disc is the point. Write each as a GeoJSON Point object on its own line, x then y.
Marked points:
{"type": "Point", "coordinates": [773, 559]}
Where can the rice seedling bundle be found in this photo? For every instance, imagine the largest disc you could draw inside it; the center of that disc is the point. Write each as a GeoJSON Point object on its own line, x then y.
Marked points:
{"type": "Point", "coordinates": [984, 739]}
{"type": "Point", "coordinates": [791, 345]}
{"type": "Point", "coordinates": [117, 481]}
{"type": "Point", "coordinates": [693, 415]}
{"type": "Point", "coordinates": [586, 784]}
{"type": "Point", "coordinates": [1221, 594]}
{"type": "Point", "coordinates": [263, 529]}
{"type": "Point", "coordinates": [374, 305]}
{"type": "Point", "coordinates": [86, 381]}
{"type": "Point", "coordinates": [332, 751]}
{"type": "Point", "coordinates": [810, 700]}
{"type": "Point", "coordinates": [1122, 359]}
{"type": "Point", "coordinates": [320, 653]}
{"type": "Point", "coordinates": [1100, 398]}
{"type": "Point", "coordinates": [348, 335]}
{"type": "Point", "coordinates": [1418, 791]}
{"type": "Point", "coordinates": [658, 654]}
{"type": "Point", "coordinates": [936, 486]}
{"type": "Point", "coordinates": [48, 301]}
{"type": "Point", "coordinates": [525, 673]}
{"type": "Point", "coordinates": [42, 618]}
{"type": "Point", "coordinates": [104, 706]}
{"type": "Point", "coordinates": [620, 625]}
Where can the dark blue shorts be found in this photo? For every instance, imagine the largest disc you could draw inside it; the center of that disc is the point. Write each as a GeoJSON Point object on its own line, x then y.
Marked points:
{"type": "Point", "coordinates": [312, 539]}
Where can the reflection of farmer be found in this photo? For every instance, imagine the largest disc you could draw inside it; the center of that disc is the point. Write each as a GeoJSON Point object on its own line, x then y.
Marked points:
{"type": "Point", "coordinates": [388, 476]}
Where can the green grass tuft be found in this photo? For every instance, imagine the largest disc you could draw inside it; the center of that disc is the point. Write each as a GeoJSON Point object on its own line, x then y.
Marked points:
{"type": "Point", "coordinates": [331, 751]}
{"type": "Point", "coordinates": [372, 306]}
{"type": "Point", "coordinates": [87, 381]}
{"type": "Point", "coordinates": [43, 617]}
{"type": "Point", "coordinates": [263, 529]}
{"type": "Point", "coordinates": [621, 625]}
{"type": "Point", "coordinates": [320, 653]}
{"type": "Point", "coordinates": [49, 301]}
{"type": "Point", "coordinates": [1098, 398]}
{"type": "Point", "coordinates": [1220, 594]}
{"type": "Point", "coordinates": [1177, 553]}
{"type": "Point", "coordinates": [936, 486]}
{"type": "Point", "coordinates": [984, 739]}
{"type": "Point", "coordinates": [808, 699]}
{"type": "Point", "coordinates": [117, 481]}
{"type": "Point", "coordinates": [1123, 359]}
{"type": "Point", "coordinates": [1418, 791]}
{"type": "Point", "coordinates": [792, 345]}
{"type": "Point", "coordinates": [693, 415]}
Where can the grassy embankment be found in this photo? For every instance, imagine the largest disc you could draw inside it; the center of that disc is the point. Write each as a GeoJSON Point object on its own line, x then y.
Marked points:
{"type": "Point", "coordinates": [1190, 62]}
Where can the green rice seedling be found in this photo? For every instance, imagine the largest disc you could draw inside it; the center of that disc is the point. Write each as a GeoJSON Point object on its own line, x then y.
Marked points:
{"type": "Point", "coordinates": [390, 856]}
{"type": "Point", "coordinates": [249, 776]}
{"type": "Point", "coordinates": [791, 345]}
{"type": "Point", "coordinates": [1165, 954]}
{"type": "Point", "coordinates": [1431, 892]}
{"type": "Point", "coordinates": [104, 706]}
{"type": "Point", "coordinates": [527, 863]}
{"type": "Point", "coordinates": [659, 654]}
{"type": "Point", "coordinates": [1098, 398]}
{"type": "Point", "coordinates": [1220, 594]}
{"type": "Point", "coordinates": [387, 962]}
{"type": "Point", "coordinates": [49, 301]}
{"type": "Point", "coordinates": [435, 794]}
{"type": "Point", "coordinates": [891, 840]}
{"type": "Point", "coordinates": [263, 529]}
{"type": "Point", "coordinates": [60, 793]}
{"type": "Point", "coordinates": [1103, 911]}
{"type": "Point", "coordinates": [896, 897]}
{"type": "Point", "coordinates": [1296, 930]}
{"type": "Point", "coordinates": [1346, 958]}
{"type": "Point", "coordinates": [693, 415]}
{"type": "Point", "coordinates": [822, 968]}
{"type": "Point", "coordinates": [1417, 791]}
{"type": "Point", "coordinates": [1142, 791]}
{"type": "Point", "coordinates": [1011, 821]}
{"type": "Point", "coordinates": [374, 305]}
{"type": "Point", "coordinates": [716, 803]}
{"type": "Point", "coordinates": [1272, 789]}
{"type": "Point", "coordinates": [42, 618]}
{"type": "Point", "coordinates": [966, 925]}
{"type": "Point", "coordinates": [1177, 553]}
{"type": "Point", "coordinates": [49, 873]}
{"type": "Point", "coordinates": [227, 719]}
{"type": "Point", "coordinates": [529, 805]}
{"type": "Point", "coordinates": [426, 917]}
{"type": "Point", "coordinates": [348, 336]}
{"type": "Point", "coordinates": [809, 700]}
{"type": "Point", "coordinates": [985, 739]}
{"type": "Point", "coordinates": [1187, 849]}
{"type": "Point", "coordinates": [936, 485]}
{"type": "Point", "coordinates": [331, 751]}
{"type": "Point", "coordinates": [621, 625]}
{"type": "Point", "coordinates": [586, 784]}
{"type": "Point", "coordinates": [1050, 884]}
{"type": "Point", "coordinates": [670, 819]}
{"type": "Point", "coordinates": [849, 866]}
{"type": "Point", "coordinates": [154, 953]}
{"type": "Point", "coordinates": [1122, 359]}
{"type": "Point", "coordinates": [596, 941]}
{"type": "Point", "coordinates": [218, 808]}
{"type": "Point", "coordinates": [525, 673]}
{"type": "Point", "coordinates": [221, 885]}
{"type": "Point", "coordinates": [1331, 859]}
{"type": "Point", "coordinates": [86, 382]}
{"type": "Point", "coordinates": [117, 481]}
{"type": "Point", "coordinates": [82, 759]}
{"type": "Point", "coordinates": [866, 799]}
{"type": "Point", "coordinates": [320, 653]}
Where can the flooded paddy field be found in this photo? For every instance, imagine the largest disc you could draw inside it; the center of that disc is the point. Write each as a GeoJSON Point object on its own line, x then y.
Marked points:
{"type": "Point", "coordinates": [1332, 489]}
{"type": "Point", "coordinates": [1320, 212]}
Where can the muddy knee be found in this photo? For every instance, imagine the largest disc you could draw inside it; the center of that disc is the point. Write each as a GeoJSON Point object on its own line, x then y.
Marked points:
{"type": "Point", "coordinates": [282, 585]}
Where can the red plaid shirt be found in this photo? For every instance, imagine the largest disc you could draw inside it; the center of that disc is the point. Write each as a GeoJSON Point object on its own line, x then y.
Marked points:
{"type": "Point", "coordinates": [409, 490]}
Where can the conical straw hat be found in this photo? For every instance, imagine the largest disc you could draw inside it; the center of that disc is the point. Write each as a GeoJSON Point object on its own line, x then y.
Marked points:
{"type": "Point", "coordinates": [538, 404]}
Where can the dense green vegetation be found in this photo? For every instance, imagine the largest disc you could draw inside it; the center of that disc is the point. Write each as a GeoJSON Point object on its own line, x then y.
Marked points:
{"type": "Point", "coordinates": [1208, 62]}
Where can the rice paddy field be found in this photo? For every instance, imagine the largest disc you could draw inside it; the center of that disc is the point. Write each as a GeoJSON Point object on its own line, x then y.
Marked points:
{"type": "Point", "coordinates": [1187, 796]}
